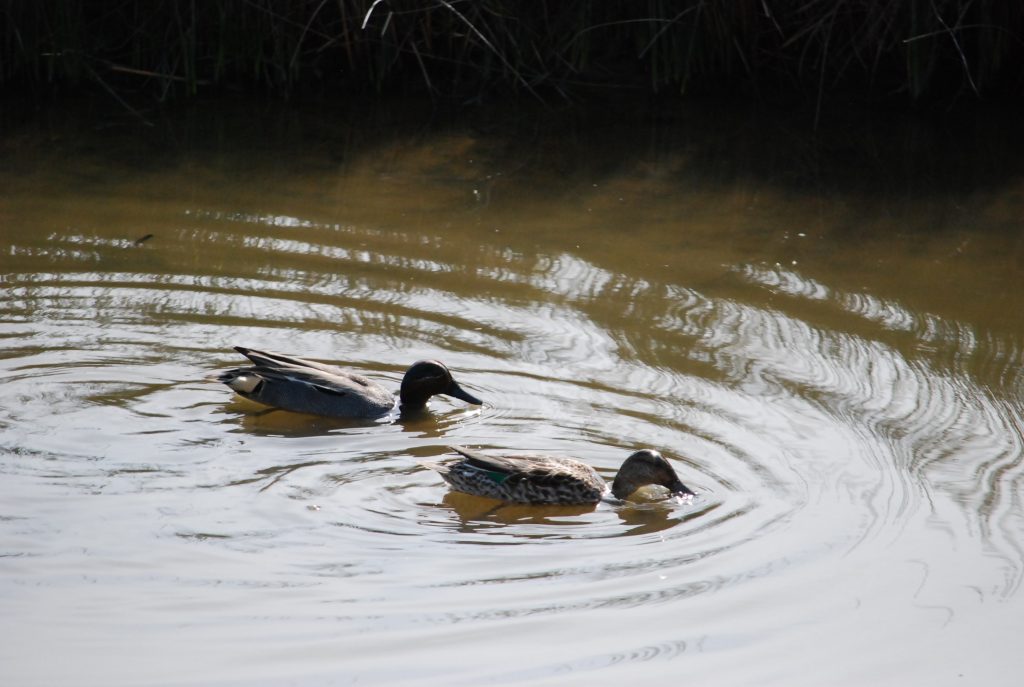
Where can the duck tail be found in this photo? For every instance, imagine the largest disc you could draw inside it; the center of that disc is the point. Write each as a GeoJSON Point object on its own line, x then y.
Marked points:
{"type": "Point", "coordinates": [439, 468]}
{"type": "Point", "coordinates": [239, 380]}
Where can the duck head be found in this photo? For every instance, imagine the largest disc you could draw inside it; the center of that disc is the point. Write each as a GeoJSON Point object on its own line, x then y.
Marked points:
{"type": "Point", "coordinates": [428, 377]}
{"type": "Point", "coordinates": [645, 467]}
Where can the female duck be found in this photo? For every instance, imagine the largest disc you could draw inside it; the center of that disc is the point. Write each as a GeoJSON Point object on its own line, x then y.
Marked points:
{"type": "Point", "coordinates": [538, 479]}
{"type": "Point", "coordinates": [305, 386]}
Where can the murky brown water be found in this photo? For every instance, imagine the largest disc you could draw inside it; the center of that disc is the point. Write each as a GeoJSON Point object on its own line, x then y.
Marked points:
{"type": "Point", "coordinates": [828, 344]}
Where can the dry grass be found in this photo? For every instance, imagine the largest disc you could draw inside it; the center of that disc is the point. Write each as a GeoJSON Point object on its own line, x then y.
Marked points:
{"type": "Point", "coordinates": [178, 48]}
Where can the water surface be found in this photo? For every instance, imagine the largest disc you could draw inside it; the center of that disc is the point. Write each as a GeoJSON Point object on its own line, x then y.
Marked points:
{"type": "Point", "coordinates": [823, 333]}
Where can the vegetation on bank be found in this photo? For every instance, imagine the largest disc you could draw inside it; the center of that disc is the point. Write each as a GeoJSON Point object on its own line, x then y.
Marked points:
{"type": "Point", "coordinates": [910, 49]}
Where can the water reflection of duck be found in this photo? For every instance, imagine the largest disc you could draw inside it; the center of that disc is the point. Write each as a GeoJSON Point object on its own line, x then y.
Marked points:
{"type": "Point", "coordinates": [540, 479]}
{"type": "Point", "coordinates": [305, 386]}
{"type": "Point", "coordinates": [476, 514]}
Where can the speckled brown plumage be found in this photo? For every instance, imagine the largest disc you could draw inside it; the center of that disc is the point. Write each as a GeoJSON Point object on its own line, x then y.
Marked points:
{"type": "Point", "coordinates": [542, 479]}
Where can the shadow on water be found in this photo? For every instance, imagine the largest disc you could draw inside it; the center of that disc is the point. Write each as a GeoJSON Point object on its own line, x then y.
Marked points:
{"type": "Point", "coordinates": [703, 144]}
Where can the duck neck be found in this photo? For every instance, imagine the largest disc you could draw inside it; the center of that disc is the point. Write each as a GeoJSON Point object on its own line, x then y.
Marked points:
{"type": "Point", "coordinates": [407, 401]}
{"type": "Point", "coordinates": [622, 488]}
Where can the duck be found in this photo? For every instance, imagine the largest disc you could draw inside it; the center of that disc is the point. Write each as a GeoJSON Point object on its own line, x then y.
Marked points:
{"type": "Point", "coordinates": [306, 386]}
{"type": "Point", "coordinates": [544, 479]}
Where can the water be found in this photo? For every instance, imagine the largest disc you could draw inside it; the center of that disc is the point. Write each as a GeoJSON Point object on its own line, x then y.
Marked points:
{"type": "Point", "coordinates": [824, 336]}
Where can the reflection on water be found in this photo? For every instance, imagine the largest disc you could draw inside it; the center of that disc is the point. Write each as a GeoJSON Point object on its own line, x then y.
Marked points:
{"type": "Point", "coordinates": [835, 367]}
{"type": "Point", "coordinates": [477, 514]}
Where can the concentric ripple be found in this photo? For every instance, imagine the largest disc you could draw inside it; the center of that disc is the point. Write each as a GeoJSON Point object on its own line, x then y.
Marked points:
{"type": "Point", "coordinates": [857, 459]}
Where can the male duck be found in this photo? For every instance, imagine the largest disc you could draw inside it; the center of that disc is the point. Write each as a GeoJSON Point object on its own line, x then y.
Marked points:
{"type": "Point", "coordinates": [305, 386]}
{"type": "Point", "coordinates": [538, 479]}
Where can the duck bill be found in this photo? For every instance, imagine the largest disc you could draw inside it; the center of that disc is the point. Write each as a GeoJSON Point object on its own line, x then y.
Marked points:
{"type": "Point", "coordinates": [456, 391]}
{"type": "Point", "coordinates": [680, 489]}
